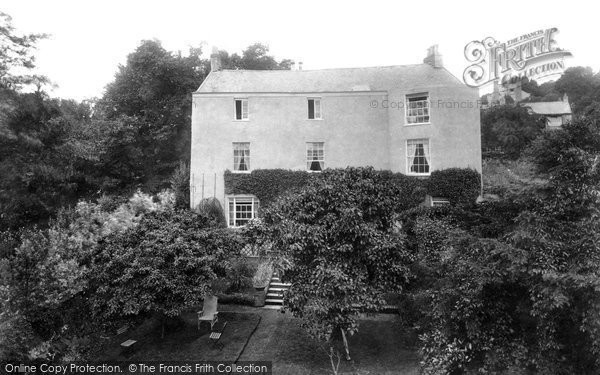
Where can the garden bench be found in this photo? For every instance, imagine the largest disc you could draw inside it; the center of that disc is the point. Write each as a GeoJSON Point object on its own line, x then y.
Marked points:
{"type": "Point", "coordinates": [127, 346]}
{"type": "Point", "coordinates": [216, 336]}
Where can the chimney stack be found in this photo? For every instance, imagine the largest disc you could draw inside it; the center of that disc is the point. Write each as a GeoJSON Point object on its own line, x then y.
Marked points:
{"type": "Point", "coordinates": [434, 58]}
{"type": "Point", "coordinates": [215, 60]}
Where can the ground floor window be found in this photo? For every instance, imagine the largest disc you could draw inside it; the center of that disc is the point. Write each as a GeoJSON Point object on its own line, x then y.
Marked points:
{"type": "Point", "coordinates": [242, 209]}
{"type": "Point", "coordinates": [315, 156]}
{"type": "Point", "coordinates": [418, 160]}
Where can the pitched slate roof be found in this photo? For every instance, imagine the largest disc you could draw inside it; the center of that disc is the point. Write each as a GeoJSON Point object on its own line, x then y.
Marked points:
{"type": "Point", "coordinates": [328, 80]}
{"type": "Point", "coordinates": [550, 108]}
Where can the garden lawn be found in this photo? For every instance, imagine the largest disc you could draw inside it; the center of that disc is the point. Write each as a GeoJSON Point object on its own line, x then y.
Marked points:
{"type": "Point", "coordinates": [186, 342]}
{"type": "Point", "coordinates": [382, 346]}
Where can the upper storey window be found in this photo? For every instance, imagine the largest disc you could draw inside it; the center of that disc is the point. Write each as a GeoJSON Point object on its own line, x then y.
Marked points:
{"type": "Point", "coordinates": [417, 109]}
{"type": "Point", "coordinates": [241, 109]}
{"type": "Point", "coordinates": [314, 108]}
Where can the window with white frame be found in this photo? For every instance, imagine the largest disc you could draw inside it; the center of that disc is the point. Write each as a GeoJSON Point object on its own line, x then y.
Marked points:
{"type": "Point", "coordinates": [242, 209]}
{"type": "Point", "coordinates": [417, 109]}
{"type": "Point", "coordinates": [418, 158]}
{"type": "Point", "coordinates": [241, 156]}
{"type": "Point", "coordinates": [241, 109]}
{"type": "Point", "coordinates": [439, 201]}
{"type": "Point", "coordinates": [315, 156]}
{"type": "Point", "coordinates": [314, 108]}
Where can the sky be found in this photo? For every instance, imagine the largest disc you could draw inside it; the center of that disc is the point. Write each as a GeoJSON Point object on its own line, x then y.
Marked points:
{"type": "Point", "coordinates": [89, 39]}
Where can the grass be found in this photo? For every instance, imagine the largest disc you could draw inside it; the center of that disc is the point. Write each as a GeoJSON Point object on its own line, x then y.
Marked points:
{"type": "Point", "coordinates": [382, 346]}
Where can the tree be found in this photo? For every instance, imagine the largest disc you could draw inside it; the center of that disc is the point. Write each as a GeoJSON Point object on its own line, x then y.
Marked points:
{"type": "Point", "coordinates": [16, 51]}
{"type": "Point", "coordinates": [336, 242]}
{"type": "Point", "coordinates": [510, 128]}
{"type": "Point", "coordinates": [163, 265]}
{"type": "Point", "coordinates": [528, 299]}
{"type": "Point", "coordinates": [254, 57]}
{"type": "Point", "coordinates": [150, 101]}
{"type": "Point", "coordinates": [582, 87]}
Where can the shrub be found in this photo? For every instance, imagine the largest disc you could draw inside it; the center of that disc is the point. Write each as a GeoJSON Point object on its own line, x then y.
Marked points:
{"type": "Point", "coordinates": [240, 275]}
{"type": "Point", "coordinates": [266, 184]}
{"type": "Point", "coordinates": [263, 275]}
{"type": "Point", "coordinates": [180, 184]}
{"type": "Point", "coordinates": [211, 207]}
{"type": "Point", "coordinates": [459, 186]}
{"type": "Point", "coordinates": [164, 264]}
{"type": "Point", "coordinates": [236, 299]}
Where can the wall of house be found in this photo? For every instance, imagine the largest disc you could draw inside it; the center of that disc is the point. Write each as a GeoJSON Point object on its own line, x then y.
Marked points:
{"type": "Point", "coordinates": [358, 129]}
{"type": "Point", "coordinates": [354, 132]}
{"type": "Point", "coordinates": [454, 130]}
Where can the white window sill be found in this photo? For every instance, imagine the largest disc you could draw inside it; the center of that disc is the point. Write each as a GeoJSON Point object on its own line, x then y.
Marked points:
{"type": "Point", "coordinates": [416, 124]}
{"type": "Point", "coordinates": [241, 172]}
{"type": "Point", "coordinates": [242, 120]}
{"type": "Point", "coordinates": [315, 119]}
{"type": "Point", "coordinates": [419, 174]}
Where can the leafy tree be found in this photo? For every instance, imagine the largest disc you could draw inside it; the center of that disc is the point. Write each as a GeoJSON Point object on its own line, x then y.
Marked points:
{"type": "Point", "coordinates": [528, 299]}
{"type": "Point", "coordinates": [16, 51]}
{"type": "Point", "coordinates": [163, 265]}
{"type": "Point", "coordinates": [254, 57]}
{"type": "Point", "coordinates": [336, 241]}
{"type": "Point", "coordinates": [150, 105]}
{"type": "Point", "coordinates": [581, 85]}
{"type": "Point", "coordinates": [510, 128]}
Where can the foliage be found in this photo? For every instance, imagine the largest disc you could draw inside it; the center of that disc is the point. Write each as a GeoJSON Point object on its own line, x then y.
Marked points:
{"type": "Point", "coordinates": [263, 273]}
{"type": "Point", "coordinates": [164, 264]}
{"type": "Point", "coordinates": [16, 53]}
{"type": "Point", "coordinates": [45, 279]}
{"type": "Point", "coordinates": [240, 275]}
{"type": "Point", "coordinates": [211, 207]}
{"type": "Point", "coordinates": [459, 186]}
{"type": "Point", "coordinates": [266, 184]}
{"type": "Point", "coordinates": [510, 128]}
{"type": "Point", "coordinates": [180, 184]}
{"type": "Point", "coordinates": [336, 240]}
{"type": "Point", "coordinates": [582, 86]}
{"type": "Point", "coordinates": [526, 300]}
{"type": "Point", "coordinates": [254, 57]}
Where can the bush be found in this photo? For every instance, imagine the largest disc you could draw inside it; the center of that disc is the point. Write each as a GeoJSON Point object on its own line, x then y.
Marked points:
{"type": "Point", "coordinates": [236, 299]}
{"type": "Point", "coordinates": [211, 207]}
{"type": "Point", "coordinates": [164, 264]}
{"type": "Point", "coordinates": [263, 275]}
{"type": "Point", "coordinates": [266, 184]}
{"type": "Point", "coordinates": [459, 186]}
{"type": "Point", "coordinates": [180, 184]}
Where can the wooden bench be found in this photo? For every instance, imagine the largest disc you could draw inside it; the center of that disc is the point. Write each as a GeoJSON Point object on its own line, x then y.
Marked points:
{"type": "Point", "coordinates": [216, 336]}
{"type": "Point", "coordinates": [127, 346]}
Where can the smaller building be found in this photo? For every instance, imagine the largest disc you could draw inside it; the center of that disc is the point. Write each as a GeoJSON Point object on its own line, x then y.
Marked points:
{"type": "Point", "coordinates": [557, 113]}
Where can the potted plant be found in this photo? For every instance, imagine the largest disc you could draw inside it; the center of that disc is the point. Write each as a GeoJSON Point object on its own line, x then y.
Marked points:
{"type": "Point", "coordinates": [262, 276]}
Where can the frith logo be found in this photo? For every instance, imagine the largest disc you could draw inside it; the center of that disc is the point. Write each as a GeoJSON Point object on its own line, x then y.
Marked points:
{"type": "Point", "coordinates": [534, 55]}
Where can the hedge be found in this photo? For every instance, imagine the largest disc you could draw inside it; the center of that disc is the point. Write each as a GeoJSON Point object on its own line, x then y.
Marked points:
{"type": "Point", "coordinates": [266, 184]}
{"type": "Point", "coordinates": [461, 186]}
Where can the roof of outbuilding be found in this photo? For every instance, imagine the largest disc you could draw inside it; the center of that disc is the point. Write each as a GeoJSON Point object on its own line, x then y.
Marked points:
{"type": "Point", "coordinates": [550, 108]}
{"type": "Point", "coordinates": [381, 78]}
